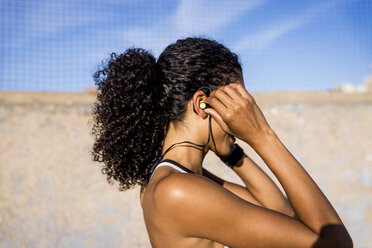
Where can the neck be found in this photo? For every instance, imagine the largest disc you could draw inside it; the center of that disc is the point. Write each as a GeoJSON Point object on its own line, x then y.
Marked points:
{"type": "Point", "coordinates": [188, 155]}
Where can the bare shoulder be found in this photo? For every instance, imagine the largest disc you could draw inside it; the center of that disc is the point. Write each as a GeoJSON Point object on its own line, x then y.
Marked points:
{"type": "Point", "coordinates": [198, 207]}
{"type": "Point", "coordinates": [187, 190]}
{"type": "Point", "coordinates": [190, 194]}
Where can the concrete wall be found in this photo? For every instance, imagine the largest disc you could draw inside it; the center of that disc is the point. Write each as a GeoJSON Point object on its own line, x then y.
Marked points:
{"type": "Point", "coordinates": [53, 195]}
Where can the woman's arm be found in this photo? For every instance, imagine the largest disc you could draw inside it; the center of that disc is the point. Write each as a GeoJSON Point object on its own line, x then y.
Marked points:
{"type": "Point", "coordinates": [237, 189]}
{"type": "Point", "coordinates": [237, 113]}
{"type": "Point", "coordinates": [260, 189]}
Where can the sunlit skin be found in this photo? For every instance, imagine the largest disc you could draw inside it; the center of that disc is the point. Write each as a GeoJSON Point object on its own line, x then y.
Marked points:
{"type": "Point", "coordinates": [202, 210]}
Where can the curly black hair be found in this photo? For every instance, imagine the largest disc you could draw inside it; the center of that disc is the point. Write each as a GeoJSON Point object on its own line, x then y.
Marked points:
{"type": "Point", "coordinates": [137, 98]}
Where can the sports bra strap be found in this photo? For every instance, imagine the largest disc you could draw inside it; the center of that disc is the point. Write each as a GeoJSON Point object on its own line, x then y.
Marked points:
{"type": "Point", "coordinates": [170, 163]}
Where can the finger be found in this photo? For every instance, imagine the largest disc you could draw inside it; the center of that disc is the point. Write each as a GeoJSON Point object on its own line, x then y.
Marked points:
{"type": "Point", "coordinates": [218, 119]}
{"type": "Point", "coordinates": [216, 105]}
{"type": "Point", "coordinates": [221, 95]}
{"type": "Point", "coordinates": [240, 88]}
{"type": "Point", "coordinates": [233, 93]}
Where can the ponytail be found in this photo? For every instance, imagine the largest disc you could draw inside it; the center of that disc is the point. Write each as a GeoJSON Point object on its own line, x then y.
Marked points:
{"type": "Point", "coordinates": [129, 124]}
{"type": "Point", "coordinates": [138, 97]}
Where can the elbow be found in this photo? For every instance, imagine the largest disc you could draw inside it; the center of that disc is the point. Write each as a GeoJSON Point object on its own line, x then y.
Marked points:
{"type": "Point", "coordinates": [334, 242]}
{"type": "Point", "coordinates": [346, 241]}
{"type": "Point", "coordinates": [350, 244]}
{"type": "Point", "coordinates": [341, 242]}
{"type": "Point", "coordinates": [334, 236]}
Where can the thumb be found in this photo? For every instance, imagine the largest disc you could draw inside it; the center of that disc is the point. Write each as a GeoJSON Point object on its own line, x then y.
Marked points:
{"type": "Point", "coordinates": [218, 119]}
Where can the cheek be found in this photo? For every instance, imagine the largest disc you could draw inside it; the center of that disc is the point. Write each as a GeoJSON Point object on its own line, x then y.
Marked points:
{"type": "Point", "coordinates": [226, 145]}
{"type": "Point", "coordinates": [218, 132]}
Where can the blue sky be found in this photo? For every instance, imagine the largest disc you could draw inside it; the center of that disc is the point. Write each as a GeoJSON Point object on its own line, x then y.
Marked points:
{"type": "Point", "coordinates": [53, 45]}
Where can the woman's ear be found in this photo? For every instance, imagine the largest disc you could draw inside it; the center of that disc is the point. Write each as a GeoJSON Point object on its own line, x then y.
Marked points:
{"type": "Point", "coordinates": [198, 96]}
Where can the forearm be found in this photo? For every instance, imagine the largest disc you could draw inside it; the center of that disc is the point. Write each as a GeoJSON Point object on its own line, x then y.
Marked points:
{"type": "Point", "coordinates": [238, 114]}
{"type": "Point", "coordinates": [237, 189]}
{"type": "Point", "coordinates": [262, 187]}
{"type": "Point", "coordinates": [309, 203]}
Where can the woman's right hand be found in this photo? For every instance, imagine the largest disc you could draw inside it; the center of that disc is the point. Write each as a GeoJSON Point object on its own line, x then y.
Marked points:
{"type": "Point", "coordinates": [236, 111]}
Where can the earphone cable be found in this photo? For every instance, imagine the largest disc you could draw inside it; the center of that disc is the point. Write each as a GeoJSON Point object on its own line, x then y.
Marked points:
{"type": "Point", "coordinates": [183, 142]}
{"type": "Point", "coordinates": [189, 142]}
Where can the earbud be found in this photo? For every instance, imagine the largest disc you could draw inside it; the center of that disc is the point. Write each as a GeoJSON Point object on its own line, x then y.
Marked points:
{"type": "Point", "coordinates": [202, 104]}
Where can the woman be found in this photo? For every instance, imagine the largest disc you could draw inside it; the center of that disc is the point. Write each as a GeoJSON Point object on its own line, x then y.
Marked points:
{"type": "Point", "coordinates": [156, 121]}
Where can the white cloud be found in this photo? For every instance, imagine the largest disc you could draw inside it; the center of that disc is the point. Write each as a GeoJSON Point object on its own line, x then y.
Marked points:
{"type": "Point", "coordinates": [256, 42]}
{"type": "Point", "coordinates": [191, 17]}
{"type": "Point", "coordinates": [207, 16]}
{"type": "Point", "coordinates": [46, 18]}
